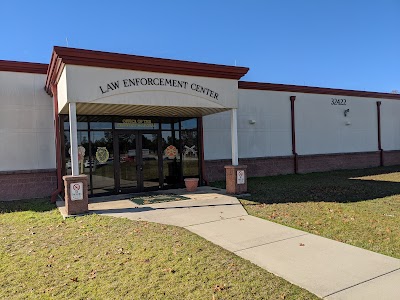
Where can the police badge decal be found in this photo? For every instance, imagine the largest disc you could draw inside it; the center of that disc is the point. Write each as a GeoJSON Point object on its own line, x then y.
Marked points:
{"type": "Point", "coordinates": [102, 154]}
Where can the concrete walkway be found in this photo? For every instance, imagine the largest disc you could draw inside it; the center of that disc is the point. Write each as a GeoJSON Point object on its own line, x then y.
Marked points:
{"type": "Point", "coordinates": [327, 268]}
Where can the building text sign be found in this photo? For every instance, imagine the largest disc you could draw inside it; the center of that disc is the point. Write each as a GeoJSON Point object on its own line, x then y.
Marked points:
{"type": "Point", "coordinates": [157, 81]}
{"type": "Point", "coordinates": [76, 191]}
{"type": "Point", "coordinates": [136, 124]}
{"type": "Point", "coordinates": [240, 176]}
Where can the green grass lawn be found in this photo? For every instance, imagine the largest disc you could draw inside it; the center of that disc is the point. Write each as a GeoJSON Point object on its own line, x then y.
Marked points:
{"type": "Point", "coordinates": [358, 207]}
{"type": "Point", "coordinates": [96, 257]}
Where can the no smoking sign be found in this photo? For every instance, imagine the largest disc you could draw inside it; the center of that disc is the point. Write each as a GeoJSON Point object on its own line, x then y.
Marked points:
{"type": "Point", "coordinates": [76, 190]}
{"type": "Point", "coordinates": [240, 177]}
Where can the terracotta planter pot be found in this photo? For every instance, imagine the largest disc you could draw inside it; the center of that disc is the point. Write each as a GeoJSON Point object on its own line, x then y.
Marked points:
{"type": "Point", "coordinates": [191, 184]}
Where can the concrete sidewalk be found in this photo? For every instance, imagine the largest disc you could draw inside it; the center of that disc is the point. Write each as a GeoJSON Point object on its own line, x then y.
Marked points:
{"type": "Point", "coordinates": [327, 268]}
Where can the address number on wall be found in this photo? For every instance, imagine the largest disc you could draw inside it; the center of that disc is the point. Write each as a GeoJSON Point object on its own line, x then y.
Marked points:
{"type": "Point", "coordinates": [336, 101]}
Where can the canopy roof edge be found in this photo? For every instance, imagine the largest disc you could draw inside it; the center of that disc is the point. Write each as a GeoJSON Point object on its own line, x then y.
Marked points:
{"type": "Point", "coordinates": [62, 56]}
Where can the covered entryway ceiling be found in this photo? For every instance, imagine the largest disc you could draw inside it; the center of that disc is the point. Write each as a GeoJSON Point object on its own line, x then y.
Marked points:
{"type": "Point", "coordinates": [141, 110]}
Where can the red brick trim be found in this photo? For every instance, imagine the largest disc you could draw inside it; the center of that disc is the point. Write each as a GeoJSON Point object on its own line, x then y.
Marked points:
{"type": "Point", "coordinates": [391, 158]}
{"type": "Point", "coordinates": [16, 185]}
{"type": "Point", "coordinates": [27, 171]}
{"type": "Point", "coordinates": [338, 161]}
{"type": "Point", "coordinates": [280, 165]}
{"type": "Point", "coordinates": [256, 167]}
{"type": "Point", "coordinates": [23, 67]}
{"type": "Point", "coordinates": [338, 154]}
{"type": "Point", "coordinates": [246, 85]}
{"type": "Point", "coordinates": [92, 58]}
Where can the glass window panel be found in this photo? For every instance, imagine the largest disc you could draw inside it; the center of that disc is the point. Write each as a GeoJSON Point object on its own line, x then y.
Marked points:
{"type": "Point", "coordinates": [100, 122]}
{"type": "Point", "coordinates": [100, 125]}
{"type": "Point", "coordinates": [166, 125]}
{"type": "Point", "coordinates": [102, 162]}
{"type": "Point", "coordinates": [83, 149]}
{"type": "Point", "coordinates": [150, 173]}
{"type": "Point", "coordinates": [82, 123]}
{"type": "Point", "coordinates": [127, 161]}
{"type": "Point", "coordinates": [171, 158]}
{"type": "Point", "coordinates": [189, 124]}
{"type": "Point", "coordinates": [190, 153]}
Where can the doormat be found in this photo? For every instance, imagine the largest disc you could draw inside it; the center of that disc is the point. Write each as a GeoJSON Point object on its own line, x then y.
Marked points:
{"type": "Point", "coordinates": [152, 199]}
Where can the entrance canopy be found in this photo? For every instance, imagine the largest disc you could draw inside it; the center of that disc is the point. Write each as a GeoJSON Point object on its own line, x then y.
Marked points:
{"type": "Point", "coordinates": [85, 82]}
{"type": "Point", "coordinates": [118, 84]}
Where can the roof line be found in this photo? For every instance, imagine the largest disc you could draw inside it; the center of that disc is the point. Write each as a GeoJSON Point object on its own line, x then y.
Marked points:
{"type": "Point", "coordinates": [23, 67]}
{"type": "Point", "coordinates": [247, 85]}
{"type": "Point", "coordinates": [83, 57]}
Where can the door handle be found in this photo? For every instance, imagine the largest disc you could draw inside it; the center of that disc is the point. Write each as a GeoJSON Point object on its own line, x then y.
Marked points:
{"type": "Point", "coordinates": [139, 168]}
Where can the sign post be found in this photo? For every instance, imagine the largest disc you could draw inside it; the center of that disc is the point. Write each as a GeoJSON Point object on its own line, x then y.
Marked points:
{"type": "Point", "coordinates": [236, 179]}
{"type": "Point", "coordinates": [76, 194]}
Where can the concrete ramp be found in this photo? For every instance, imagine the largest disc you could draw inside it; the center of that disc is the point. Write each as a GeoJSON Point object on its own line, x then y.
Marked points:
{"type": "Point", "coordinates": [205, 205]}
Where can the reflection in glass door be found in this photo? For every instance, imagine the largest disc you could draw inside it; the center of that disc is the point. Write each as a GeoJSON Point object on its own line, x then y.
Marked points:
{"type": "Point", "coordinates": [123, 154]}
{"type": "Point", "coordinates": [138, 161]}
{"type": "Point", "coordinates": [102, 161]}
{"type": "Point", "coordinates": [128, 162]}
{"type": "Point", "coordinates": [149, 165]}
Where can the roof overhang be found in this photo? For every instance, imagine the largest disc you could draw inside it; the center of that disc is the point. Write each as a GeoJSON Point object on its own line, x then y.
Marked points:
{"type": "Point", "coordinates": [23, 67]}
{"type": "Point", "coordinates": [62, 56]}
{"type": "Point", "coordinates": [263, 86]}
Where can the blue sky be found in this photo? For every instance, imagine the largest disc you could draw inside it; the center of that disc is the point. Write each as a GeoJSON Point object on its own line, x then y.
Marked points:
{"type": "Point", "coordinates": [330, 43]}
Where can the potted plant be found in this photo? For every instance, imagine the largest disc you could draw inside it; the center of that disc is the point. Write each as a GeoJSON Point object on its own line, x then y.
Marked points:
{"type": "Point", "coordinates": [191, 184]}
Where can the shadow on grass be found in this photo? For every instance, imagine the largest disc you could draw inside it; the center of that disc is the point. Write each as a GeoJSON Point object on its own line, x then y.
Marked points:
{"type": "Point", "coordinates": [36, 205]}
{"type": "Point", "coordinates": [337, 186]}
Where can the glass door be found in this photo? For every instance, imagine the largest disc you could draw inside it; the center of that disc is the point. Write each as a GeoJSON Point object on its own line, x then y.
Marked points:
{"type": "Point", "coordinates": [149, 165]}
{"type": "Point", "coordinates": [139, 166]}
{"type": "Point", "coordinates": [127, 178]}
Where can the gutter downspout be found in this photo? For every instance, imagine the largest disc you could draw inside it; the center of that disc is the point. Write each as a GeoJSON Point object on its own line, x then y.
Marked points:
{"type": "Point", "coordinates": [57, 145]}
{"type": "Point", "coordinates": [378, 106]}
{"type": "Point", "coordinates": [296, 162]}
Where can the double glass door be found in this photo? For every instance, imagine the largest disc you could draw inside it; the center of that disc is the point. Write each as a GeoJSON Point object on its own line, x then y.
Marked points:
{"type": "Point", "coordinates": [139, 161]}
